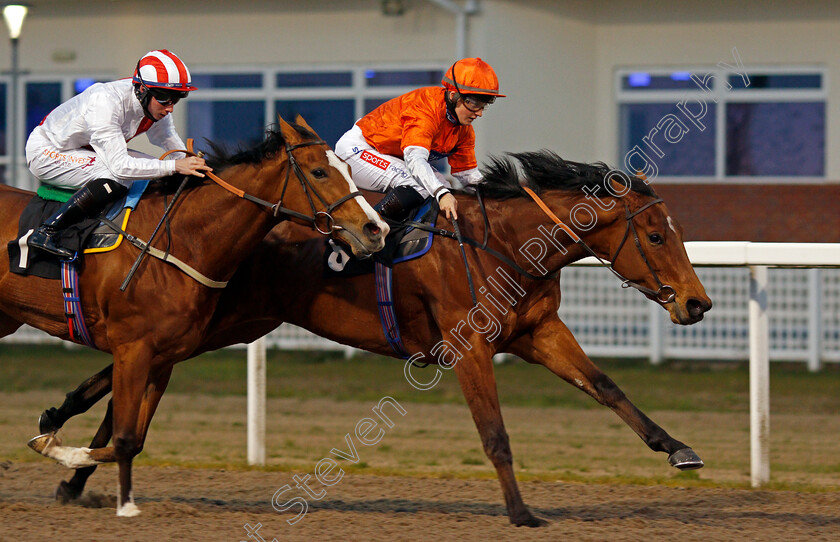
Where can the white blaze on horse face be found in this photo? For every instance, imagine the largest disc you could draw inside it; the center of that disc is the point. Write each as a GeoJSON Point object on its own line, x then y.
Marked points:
{"type": "Point", "coordinates": [341, 166]}
{"type": "Point", "coordinates": [671, 224]}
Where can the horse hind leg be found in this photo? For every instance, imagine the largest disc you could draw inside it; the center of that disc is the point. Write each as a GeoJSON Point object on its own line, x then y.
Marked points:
{"type": "Point", "coordinates": [552, 345]}
{"type": "Point", "coordinates": [72, 489]}
{"type": "Point", "coordinates": [478, 383]}
{"type": "Point", "coordinates": [77, 401]}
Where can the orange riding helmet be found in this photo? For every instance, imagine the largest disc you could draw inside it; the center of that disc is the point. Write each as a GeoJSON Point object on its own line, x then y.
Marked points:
{"type": "Point", "coordinates": [472, 76]}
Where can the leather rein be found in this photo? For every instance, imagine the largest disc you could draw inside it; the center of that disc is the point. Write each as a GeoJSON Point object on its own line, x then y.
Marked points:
{"type": "Point", "coordinates": [277, 209]}
{"type": "Point", "coordinates": [664, 294]}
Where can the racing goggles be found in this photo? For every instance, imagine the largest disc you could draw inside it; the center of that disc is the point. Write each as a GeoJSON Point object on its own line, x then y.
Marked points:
{"type": "Point", "coordinates": [167, 97]}
{"type": "Point", "coordinates": [477, 102]}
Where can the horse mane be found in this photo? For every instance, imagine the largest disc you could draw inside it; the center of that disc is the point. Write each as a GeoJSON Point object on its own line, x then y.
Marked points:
{"type": "Point", "coordinates": [545, 170]}
{"type": "Point", "coordinates": [220, 157]}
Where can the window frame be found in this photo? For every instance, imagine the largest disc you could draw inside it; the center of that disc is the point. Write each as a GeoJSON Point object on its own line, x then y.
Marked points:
{"type": "Point", "coordinates": [358, 91]}
{"type": "Point", "coordinates": [723, 96]}
{"type": "Point", "coordinates": [67, 81]}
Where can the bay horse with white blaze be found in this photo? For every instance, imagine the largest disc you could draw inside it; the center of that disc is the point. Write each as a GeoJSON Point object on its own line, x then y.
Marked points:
{"type": "Point", "coordinates": [283, 281]}
{"type": "Point", "coordinates": [162, 316]}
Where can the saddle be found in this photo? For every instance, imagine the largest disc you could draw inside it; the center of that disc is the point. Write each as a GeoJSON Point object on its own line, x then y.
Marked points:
{"type": "Point", "coordinates": [404, 243]}
{"type": "Point", "coordinates": [88, 236]}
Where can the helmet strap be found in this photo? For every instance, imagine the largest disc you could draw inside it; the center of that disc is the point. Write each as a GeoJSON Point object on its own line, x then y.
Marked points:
{"type": "Point", "coordinates": [450, 106]}
{"type": "Point", "coordinates": [141, 91]}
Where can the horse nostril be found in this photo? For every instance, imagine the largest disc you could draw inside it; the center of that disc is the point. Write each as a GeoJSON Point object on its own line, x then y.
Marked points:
{"type": "Point", "coordinates": [697, 307]}
{"type": "Point", "coordinates": [372, 229]}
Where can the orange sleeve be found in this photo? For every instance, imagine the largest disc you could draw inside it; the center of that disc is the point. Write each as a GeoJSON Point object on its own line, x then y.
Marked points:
{"type": "Point", "coordinates": [464, 156]}
{"type": "Point", "coordinates": [419, 125]}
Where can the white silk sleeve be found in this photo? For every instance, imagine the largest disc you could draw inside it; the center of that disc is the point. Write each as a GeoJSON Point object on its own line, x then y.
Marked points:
{"type": "Point", "coordinates": [108, 142]}
{"type": "Point", "coordinates": [417, 161]}
{"type": "Point", "coordinates": [162, 134]}
{"type": "Point", "coordinates": [468, 177]}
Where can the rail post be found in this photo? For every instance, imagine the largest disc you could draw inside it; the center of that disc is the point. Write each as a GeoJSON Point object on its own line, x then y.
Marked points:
{"type": "Point", "coordinates": [759, 378]}
{"type": "Point", "coordinates": [256, 402]}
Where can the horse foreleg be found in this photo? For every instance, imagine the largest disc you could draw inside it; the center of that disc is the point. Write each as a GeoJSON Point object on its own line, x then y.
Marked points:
{"type": "Point", "coordinates": [478, 383]}
{"type": "Point", "coordinates": [552, 345]}
{"type": "Point", "coordinates": [77, 401]}
{"type": "Point", "coordinates": [137, 393]}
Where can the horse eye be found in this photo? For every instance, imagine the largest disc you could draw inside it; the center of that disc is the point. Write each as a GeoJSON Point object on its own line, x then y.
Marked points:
{"type": "Point", "coordinates": [319, 173]}
{"type": "Point", "coordinates": [655, 239]}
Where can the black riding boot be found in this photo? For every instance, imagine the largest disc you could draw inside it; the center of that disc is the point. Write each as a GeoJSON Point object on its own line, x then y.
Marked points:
{"type": "Point", "coordinates": [398, 203]}
{"type": "Point", "coordinates": [88, 201]}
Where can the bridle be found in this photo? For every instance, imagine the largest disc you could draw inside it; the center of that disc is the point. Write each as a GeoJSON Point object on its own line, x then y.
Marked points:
{"type": "Point", "coordinates": [309, 190]}
{"type": "Point", "coordinates": [322, 221]}
{"type": "Point", "coordinates": [663, 294]}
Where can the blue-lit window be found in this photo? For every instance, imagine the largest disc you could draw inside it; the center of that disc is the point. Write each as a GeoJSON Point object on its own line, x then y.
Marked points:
{"type": "Point", "coordinates": [639, 81]}
{"type": "Point", "coordinates": [674, 144]}
{"type": "Point", "coordinates": [776, 138]}
{"type": "Point", "coordinates": [373, 103]}
{"type": "Point", "coordinates": [82, 84]}
{"type": "Point", "coordinates": [41, 98]}
{"type": "Point", "coordinates": [414, 78]}
{"type": "Point", "coordinates": [777, 81]}
{"type": "Point", "coordinates": [314, 79]}
{"type": "Point", "coordinates": [721, 123]}
{"type": "Point", "coordinates": [330, 118]}
{"type": "Point", "coordinates": [227, 80]}
{"type": "Point", "coordinates": [238, 107]}
{"type": "Point", "coordinates": [234, 124]}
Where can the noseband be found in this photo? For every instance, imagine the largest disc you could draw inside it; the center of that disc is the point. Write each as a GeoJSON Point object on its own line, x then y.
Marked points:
{"type": "Point", "coordinates": [664, 294]}
{"type": "Point", "coordinates": [322, 221]}
{"type": "Point", "coordinates": [328, 225]}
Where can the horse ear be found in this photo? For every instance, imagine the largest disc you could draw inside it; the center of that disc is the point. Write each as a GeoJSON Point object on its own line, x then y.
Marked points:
{"type": "Point", "coordinates": [290, 135]}
{"type": "Point", "coordinates": [300, 122]}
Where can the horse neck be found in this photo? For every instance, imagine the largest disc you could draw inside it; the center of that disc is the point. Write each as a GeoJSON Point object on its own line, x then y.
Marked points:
{"type": "Point", "coordinates": [225, 228]}
{"type": "Point", "coordinates": [524, 229]}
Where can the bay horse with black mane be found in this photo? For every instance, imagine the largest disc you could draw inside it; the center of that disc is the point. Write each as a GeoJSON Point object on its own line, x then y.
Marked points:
{"type": "Point", "coordinates": [162, 316]}
{"type": "Point", "coordinates": [283, 281]}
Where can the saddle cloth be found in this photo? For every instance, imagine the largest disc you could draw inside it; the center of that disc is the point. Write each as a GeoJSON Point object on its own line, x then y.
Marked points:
{"type": "Point", "coordinates": [90, 234]}
{"type": "Point", "coordinates": [404, 243]}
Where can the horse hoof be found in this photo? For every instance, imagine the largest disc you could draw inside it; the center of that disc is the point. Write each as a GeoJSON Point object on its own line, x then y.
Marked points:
{"type": "Point", "coordinates": [685, 459]}
{"type": "Point", "coordinates": [42, 443]}
{"type": "Point", "coordinates": [128, 510]}
{"type": "Point", "coordinates": [529, 521]}
{"type": "Point", "coordinates": [46, 423]}
{"type": "Point", "coordinates": [64, 493]}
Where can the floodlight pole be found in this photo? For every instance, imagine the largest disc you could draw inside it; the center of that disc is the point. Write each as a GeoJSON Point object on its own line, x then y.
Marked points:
{"type": "Point", "coordinates": [12, 136]}
{"type": "Point", "coordinates": [14, 15]}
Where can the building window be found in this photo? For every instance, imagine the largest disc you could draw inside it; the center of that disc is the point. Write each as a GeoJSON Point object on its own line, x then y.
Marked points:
{"type": "Point", "coordinates": [236, 107]}
{"type": "Point", "coordinates": [40, 95]}
{"type": "Point", "coordinates": [711, 123]}
{"type": "Point", "coordinates": [229, 123]}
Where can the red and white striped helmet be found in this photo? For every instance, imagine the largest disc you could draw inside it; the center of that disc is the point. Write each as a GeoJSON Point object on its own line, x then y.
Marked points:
{"type": "Point", "coordinates": [163, 69]}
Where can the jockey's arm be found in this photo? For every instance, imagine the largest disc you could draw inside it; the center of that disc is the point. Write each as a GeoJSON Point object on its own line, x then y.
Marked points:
{"type": "Point", "coordinates": [417, 161]}
{"type": "Point", "coordinates": [468, 177]}
{"type": "Point", "coordinates": [106, 137]}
